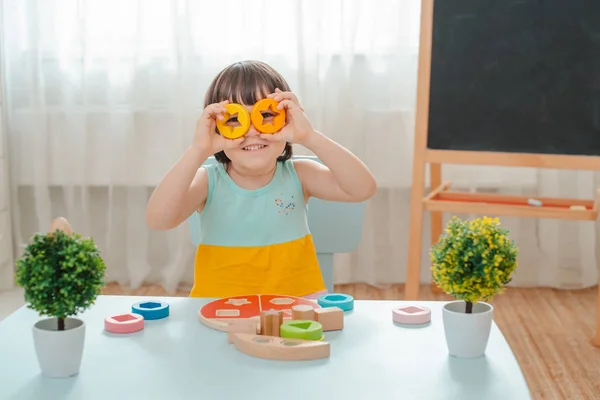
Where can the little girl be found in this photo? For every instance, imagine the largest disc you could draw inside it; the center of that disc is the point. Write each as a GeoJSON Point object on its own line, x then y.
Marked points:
{"type": "Point", "coordinates": [252, 203]}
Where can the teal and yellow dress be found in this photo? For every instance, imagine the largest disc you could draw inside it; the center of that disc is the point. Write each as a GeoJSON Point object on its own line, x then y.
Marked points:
{"type": "Point", "coordinates": [255, 241]}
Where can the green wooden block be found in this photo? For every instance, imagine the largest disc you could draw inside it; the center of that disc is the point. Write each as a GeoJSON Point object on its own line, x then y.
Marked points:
{"type": "Point", "coordinates": [301, 329]}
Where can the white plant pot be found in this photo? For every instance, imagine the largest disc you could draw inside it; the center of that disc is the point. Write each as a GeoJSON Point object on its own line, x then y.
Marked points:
{"type": "Point", "coordinates": [467, 334]}
{"type": "Point", "coordinates": [59, 353]}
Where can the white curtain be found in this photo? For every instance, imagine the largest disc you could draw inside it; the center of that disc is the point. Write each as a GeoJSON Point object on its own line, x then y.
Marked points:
{"type": "Point", "coordinates": [102, 97]}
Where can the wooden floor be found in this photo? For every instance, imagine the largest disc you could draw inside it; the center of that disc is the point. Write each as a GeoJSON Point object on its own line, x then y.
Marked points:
{"type": "Point", "coordinates": [549, 331]}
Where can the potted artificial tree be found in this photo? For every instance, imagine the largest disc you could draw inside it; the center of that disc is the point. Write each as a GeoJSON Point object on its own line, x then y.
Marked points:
{"type": "Point", "coordinates": [61, 273]}
{"type": "Point", "coordinates": [472, 261]}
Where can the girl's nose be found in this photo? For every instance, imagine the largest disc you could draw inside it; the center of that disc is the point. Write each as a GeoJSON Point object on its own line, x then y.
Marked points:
{"type": "Point", "coordinates": [252, 131]}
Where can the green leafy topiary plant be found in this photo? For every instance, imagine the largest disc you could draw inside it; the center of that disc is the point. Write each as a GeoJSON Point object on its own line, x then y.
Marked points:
{"type": "Point", "coordinates": [61, 274]}
{"type": "Point", "coordinates": [473, 260]}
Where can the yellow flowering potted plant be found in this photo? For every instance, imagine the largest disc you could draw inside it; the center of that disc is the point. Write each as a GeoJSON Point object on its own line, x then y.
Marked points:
{"type": "Point", "coordinates": [472, 261]}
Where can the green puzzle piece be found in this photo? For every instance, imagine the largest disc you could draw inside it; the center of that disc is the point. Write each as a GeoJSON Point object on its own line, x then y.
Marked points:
{"type": "Point", "coordinates": [301, 329]}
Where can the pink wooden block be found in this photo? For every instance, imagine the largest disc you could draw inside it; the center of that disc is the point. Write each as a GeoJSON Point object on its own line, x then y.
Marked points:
{"type": "Point", "coordinates": [124, 323]}
{"type": "Point", "coordinates": [411, 315]}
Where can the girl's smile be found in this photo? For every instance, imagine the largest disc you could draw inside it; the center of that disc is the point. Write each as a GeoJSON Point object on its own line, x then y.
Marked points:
{"type": "Point", "coordinates": [254, 147]}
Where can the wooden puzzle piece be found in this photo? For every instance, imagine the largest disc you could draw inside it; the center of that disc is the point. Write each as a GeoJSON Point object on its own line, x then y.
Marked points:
{"type": "Point", "coordinates": [302, 329]}
{"type": "Point", "coordinates": [243, 119]}
{"type": "Point", "coordinates": [343, 301]}
{"type": "Point", "coordinates": [227, 313]}
{"type": "Point", "coordinates": [332, 318]}
{"type": "Point", "coordinates": [268, 105]}
{"type": "Point", "coordinates": [218, 313]}
{"type": "Point", "coordinates": [276, 348]}
{"type": "Point", "coordinates": [412, 315]}
{"type": "Point", "coordinates": [238, 302]}
{"type": "Point", "coordinates": [151, 309]}
{"type": "Point", "coordinates": [303, 311]}
{"type": "Point", "coordinates": [124, 323]}
{"type": "Point", "coordinates": [283, 303]}
{"type": "Point", "coordinates": [247, 326]}
{"type": "Point", "coordinates": [270, 322]}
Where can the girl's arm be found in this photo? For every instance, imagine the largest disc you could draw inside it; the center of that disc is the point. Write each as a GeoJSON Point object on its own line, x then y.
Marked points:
{"type": "Point", "coordinates": [181, 191]}
{"type": "Point", "coordinates": [343, 177]}
{"type": "Point", "coordinates": [185, 187]}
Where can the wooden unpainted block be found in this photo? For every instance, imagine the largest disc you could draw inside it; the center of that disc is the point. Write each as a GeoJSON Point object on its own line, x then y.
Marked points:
{"type": "Point", "coordinates": [248, 326]}
{"type": "Point", "coordinates": [277, 348]}
{"type": "Point", "coordinates": [303, 312]}
{"type": "Point", "coordinates": [332, 318]}
{"type": "Point", "coordinates": [270, 321]}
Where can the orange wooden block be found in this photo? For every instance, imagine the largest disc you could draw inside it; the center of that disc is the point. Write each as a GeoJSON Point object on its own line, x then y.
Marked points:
{"type": "Point", "coordinates": [332, 318]}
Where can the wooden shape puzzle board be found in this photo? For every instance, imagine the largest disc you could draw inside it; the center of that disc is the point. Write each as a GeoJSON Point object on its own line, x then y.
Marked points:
{"type": "Point", "coordinates": [218, 313]}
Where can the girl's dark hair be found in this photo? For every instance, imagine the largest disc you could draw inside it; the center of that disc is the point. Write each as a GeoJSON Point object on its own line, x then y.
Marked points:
{"type": "Point", "coordinates": [246, 82]}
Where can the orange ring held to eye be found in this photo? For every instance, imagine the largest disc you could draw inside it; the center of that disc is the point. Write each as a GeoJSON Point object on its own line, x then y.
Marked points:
{"type": "Point", "coordinates": [243, 117]}
{"type": "Point", "coordinates": [257, 117]}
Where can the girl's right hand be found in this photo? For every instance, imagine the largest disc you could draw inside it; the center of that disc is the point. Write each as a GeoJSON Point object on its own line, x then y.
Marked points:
{"type": "Point", "coordinates": [206, 137]}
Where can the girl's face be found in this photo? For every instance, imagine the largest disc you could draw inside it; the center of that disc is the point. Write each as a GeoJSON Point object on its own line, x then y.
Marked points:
{"type": "Point", "coordinates": [255, 153]}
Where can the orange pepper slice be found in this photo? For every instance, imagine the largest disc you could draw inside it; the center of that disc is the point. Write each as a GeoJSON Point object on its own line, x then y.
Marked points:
{"type": "Point", "coordinates": [257, 118]}
{"type": "Point", "coordinates": [234, 132]}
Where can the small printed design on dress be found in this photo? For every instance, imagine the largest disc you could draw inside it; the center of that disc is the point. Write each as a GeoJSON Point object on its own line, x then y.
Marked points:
{"type": "Point", "coordinates": [283, 206]}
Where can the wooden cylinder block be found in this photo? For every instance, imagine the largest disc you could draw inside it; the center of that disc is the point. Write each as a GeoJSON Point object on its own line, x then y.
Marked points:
{"type": "Point", "coordinates": [270, 322]}
{"type": "Point", "coordinates": [303, 312]}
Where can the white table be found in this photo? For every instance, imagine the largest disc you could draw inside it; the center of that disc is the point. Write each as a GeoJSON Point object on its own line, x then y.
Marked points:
{"type": "Point", "coordinates": [180, 358]}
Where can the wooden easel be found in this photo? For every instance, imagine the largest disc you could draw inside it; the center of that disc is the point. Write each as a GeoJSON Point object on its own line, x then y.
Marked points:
{"type": "Point", "coordinates": [441, 199]}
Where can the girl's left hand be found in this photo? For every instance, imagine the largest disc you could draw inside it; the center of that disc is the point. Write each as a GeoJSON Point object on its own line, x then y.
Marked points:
{"type": "Point", "coordinates": [297, 128]}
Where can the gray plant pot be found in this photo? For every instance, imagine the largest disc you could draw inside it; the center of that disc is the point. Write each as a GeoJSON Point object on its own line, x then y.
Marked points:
{"type": "Point", "coordinates": [59, 353]}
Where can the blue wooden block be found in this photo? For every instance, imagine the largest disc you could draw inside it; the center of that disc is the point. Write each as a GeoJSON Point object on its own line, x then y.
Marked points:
{"type": "Point", "coordinates": [151, 309]}
{"type": "Point", "coordinates": [343, 301]}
